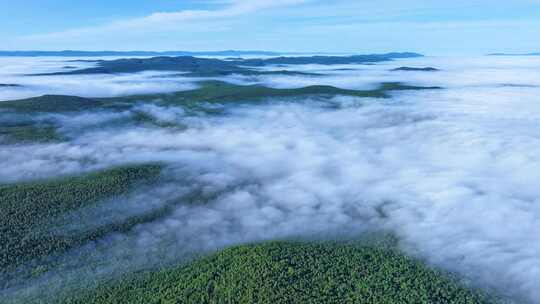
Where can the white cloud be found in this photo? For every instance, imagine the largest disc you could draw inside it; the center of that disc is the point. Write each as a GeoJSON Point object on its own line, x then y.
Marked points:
{"type": "Point", "coordinates": [168, 20]}
{"type": "Point", "coordinates": [455, 172]}
{"type": "Point", "coordinates": [418, 25]}
{"type": "Point", "coordinates": [13, 71]}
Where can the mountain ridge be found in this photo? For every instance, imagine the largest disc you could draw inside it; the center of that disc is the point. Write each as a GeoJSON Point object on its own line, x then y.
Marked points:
{"type": "Point", "coordinates": [515, 54]}
{"type": "Point", "coordinates": [196, 66]}
{"type": "Point", "coordinates": [76, 53]}
{"type": "Point", "coordinates": [105, 53]}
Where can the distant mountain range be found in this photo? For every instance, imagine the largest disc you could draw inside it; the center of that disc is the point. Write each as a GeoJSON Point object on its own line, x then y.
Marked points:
{"type": "Point", "coordinates": [210, 67]}
{"type": "Point", "coordinates": [227, 53]}
{"type": "Point", "coordinates": [509, 54]}
{"type": "Point", "coordinates": [414, 69]}
{"type": "Point", "coordinates": [69, 53]}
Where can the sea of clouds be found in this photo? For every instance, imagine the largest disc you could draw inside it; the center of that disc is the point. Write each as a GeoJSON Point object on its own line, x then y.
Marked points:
{"type": "Point", "coordinates": [452, 173]}
{"type": "Point", "coordinates": [15, 70]}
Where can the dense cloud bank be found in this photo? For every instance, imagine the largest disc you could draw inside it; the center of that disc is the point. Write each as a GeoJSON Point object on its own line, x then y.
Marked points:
{"type": "Point", "coordinates": [453, 173]}
{"type": "Point", "coordinates": [15, 71]}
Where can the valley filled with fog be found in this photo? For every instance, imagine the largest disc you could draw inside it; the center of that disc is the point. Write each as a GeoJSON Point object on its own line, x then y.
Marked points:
{"type": "Point", "coordinates": [445, 162]}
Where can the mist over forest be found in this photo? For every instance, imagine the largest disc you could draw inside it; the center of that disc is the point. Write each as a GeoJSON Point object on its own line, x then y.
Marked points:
{"type": "Point", "coordinates": [119, 174]}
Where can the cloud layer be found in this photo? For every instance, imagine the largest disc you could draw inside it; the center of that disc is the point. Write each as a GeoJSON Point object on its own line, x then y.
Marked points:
{"type": "Point", "coordinates": [453, 173]}
{"type": "Point", "coordinates": [13, 70]}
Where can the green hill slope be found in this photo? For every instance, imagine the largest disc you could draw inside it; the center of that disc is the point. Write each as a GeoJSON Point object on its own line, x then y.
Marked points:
{"type": "Point", "coordinates": [27, 208]}
{"type": "Point", "coordinates": [209, 91]}
{"type": "Point", "coordinates": [290, 272]}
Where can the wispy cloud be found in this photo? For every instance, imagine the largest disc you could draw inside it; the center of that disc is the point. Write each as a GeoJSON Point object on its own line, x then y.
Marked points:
{"type": "Point", "coordinates": [166, 20]}
{"type": "Point", "coordinates": [425, 26]}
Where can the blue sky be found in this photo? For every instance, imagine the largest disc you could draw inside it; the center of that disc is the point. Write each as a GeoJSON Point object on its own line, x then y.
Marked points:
{"type": "Point", "coordinates": [427, 26]}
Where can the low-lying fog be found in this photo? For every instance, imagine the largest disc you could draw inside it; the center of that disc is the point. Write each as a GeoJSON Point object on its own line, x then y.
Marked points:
{"type": "Point", "coordinates": [453, 172]}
